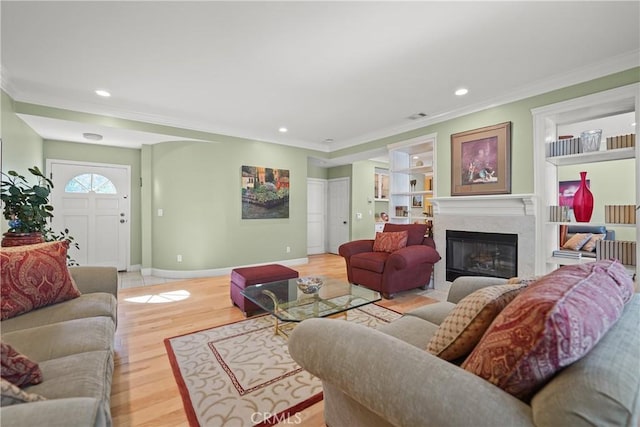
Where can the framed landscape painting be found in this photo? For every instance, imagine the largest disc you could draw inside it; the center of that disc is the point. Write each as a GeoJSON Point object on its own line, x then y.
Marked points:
{"type": "Point", "coordinates": [265, 192]}
{"type": "Point", "coordinates": [481, 161]}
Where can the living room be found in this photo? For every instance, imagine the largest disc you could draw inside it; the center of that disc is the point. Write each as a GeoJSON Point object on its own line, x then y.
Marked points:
{"type": "Point", "coordinates": [185, 215]}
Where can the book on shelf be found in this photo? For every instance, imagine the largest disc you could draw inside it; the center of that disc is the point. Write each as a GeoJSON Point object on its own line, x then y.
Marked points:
{"type": "Point", "coordinates": [621, 141]}
{"type": "Point", "coordinates": [564, 253]}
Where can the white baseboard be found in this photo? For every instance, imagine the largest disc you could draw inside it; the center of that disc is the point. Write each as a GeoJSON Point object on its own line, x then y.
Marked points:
{"type": "Point", "coordinates": [192, 274]}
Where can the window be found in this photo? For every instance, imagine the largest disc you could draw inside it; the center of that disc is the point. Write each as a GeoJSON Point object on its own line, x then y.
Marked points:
{"type": "Point", "coordinates": [90, 182]}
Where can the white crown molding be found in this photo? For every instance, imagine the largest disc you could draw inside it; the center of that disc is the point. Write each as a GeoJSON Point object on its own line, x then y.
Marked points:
{"type": "Point", "coordinates": [610, 66]}
{"type": "Point", "coordinates": [53, 101]}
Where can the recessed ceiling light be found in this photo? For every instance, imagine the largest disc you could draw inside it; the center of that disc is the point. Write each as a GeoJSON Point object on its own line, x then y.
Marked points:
{"type": "Point", "coordinates": [283, 129]}
{"type": "Point", "coordinates": [415, 157]}
{"type": "Point", "coordinates": [92, 136]}
{"type": "Point", "coordinates": [462, 91]}
{"type": "Point", "coordinates": [328, 140]}
{"type": "Point", "coordinates": [103, 92]}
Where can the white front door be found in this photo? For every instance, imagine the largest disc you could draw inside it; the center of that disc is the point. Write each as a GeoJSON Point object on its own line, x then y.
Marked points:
{"type": "Point", "coordinates": [338, 213]}
{"type": "Point", "coordinates": [92, 201]}
{"type": "Point", "coordinates": [316, 215]}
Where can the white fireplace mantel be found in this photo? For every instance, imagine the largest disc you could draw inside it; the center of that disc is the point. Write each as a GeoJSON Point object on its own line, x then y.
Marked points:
{"type": "Point", "coordinates": [492, 205]}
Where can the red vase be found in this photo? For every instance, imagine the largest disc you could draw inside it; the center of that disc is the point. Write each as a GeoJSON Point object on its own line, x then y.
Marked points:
{"type": "Point", "coordinates": [583, 201]}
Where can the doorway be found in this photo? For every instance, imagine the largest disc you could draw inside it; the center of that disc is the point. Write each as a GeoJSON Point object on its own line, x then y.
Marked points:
{"type": "Point", "coordinates": [316, 216]}
{"type": "Point", "coordinates": [338, 219]}
{"type": "Point", "coordinates": [92, 201]}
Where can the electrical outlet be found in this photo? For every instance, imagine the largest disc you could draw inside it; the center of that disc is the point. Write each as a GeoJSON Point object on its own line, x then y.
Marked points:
{"type": "Point", "coordinates": [179, 258]}
{"type": "Point", "coordinates": [288, 249]}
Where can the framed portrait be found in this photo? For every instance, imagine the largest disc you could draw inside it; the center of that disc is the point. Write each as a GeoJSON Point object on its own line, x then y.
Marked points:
{"type": "Point", "coordinates": [481, 161]}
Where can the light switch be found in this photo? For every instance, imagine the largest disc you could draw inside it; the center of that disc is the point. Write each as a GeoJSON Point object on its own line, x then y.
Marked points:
{"type": "Point", "coordinates": [358, 215]}
{"type": "Point", "coordinates": [160, 212]}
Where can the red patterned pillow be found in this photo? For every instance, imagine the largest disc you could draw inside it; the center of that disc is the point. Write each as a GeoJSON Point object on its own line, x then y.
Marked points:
{"type": "Point", "coordinates": [17, 368]}
{"type": "Point", "coordinates": [390, 241]}
{"type": "Point", "coordinates": [34, 276]}
{"type": "Point", "coordinates": [551, 324]}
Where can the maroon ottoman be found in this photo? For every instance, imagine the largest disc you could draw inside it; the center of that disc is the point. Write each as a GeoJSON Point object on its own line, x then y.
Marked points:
{"type": "Point", "coordinates": [247, 276]}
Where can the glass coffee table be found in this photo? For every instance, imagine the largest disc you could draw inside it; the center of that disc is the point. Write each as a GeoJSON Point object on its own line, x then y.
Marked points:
{"type": "Point", "coordinates": [289, 305]}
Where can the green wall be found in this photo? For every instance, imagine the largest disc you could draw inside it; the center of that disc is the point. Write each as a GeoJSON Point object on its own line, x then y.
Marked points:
{"type": "Point", "coordinates": [198, 187]}
{"type": "Point", "coordinates": [518, 113]}
{"type": "Point", "coordinates": [197, 184]}
{"type": "Point", "coordinates": [21, 146]}
{"type": "Point", "coordinates": [94, 153]}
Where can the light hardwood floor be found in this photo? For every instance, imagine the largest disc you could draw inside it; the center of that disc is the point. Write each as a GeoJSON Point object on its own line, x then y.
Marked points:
{"type": "Point", "coordinates": [144, 392]}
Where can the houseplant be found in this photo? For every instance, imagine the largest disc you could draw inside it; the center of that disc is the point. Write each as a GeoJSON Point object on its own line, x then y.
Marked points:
{"type": "Point", "coordinates": [27, 208]}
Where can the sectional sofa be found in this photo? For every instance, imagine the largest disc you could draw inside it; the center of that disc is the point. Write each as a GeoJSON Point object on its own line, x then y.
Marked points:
{"type": "Point", "coordinates": [390, 377]}
{"type": "Point", "coordinates": [72, 343]}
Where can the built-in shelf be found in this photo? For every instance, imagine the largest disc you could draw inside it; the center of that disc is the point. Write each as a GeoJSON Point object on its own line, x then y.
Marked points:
{"type": "Point", "coordinates": [593, 157]}
{"type": "Point", "coordinates": [606, 224]}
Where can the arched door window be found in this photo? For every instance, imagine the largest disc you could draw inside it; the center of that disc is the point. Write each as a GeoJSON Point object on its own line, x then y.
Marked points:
{"type": "Point", "coordinates": [90, 182]}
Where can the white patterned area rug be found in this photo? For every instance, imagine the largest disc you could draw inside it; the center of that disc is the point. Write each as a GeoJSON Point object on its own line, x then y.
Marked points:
{"type": "Point", "coordinates": [241, 374]}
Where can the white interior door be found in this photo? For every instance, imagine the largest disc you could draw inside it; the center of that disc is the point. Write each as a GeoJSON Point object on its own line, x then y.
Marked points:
{"type": "Point", "coordinates": [92, 201]}
{"type": "Point", "coordinates": [338, 208]}
{"type": "Point", "coordinates": [316, 216]}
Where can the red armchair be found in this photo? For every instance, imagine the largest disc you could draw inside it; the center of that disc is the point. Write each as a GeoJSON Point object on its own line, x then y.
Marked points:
{"type": "Point", "coordinates": [407, 268]}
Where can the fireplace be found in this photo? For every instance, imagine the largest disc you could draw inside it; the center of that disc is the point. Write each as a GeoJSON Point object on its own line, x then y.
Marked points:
{"type": "Point", "coordinates": [471, 253]}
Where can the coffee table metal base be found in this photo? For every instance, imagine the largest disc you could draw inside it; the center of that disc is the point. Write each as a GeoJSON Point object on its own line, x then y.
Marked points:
{"type": "Point", "coordinates": [283, 328]}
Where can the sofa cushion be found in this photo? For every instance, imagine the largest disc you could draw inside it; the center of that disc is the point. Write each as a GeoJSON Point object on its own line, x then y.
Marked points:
{"type": "Point", "coordinates": [577, 241]}
{"type": "Point", "coordinates": [390, 241]}
{"type": "Point", "coordinates": [463, 327]}
{"type": "Point", "coordinates": [63, 338]}
{"type": "Point", "coordinates": [86, 305]}
{"type": "Point", "coordinates": [34, 276]}
{"type": "Point", "coordinates": [371, 261]}
{"type": "Point", "coordinates": [549, 325]}
{"type": "Point", "coordinates": [410, 329]}
{"type": "Point", "coordinates": [433, 313]}
{"type": "Point", "coordinates": [18, 368]}
{"type": "Point", "coordinates": [416, 231]}
{"type": "Point", "coordinates": [78, 375]}
{"type": "Point", "coordinates": [12, 394]}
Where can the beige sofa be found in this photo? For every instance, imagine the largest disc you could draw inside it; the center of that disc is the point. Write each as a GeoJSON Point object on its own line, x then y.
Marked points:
{"type": "Point", "coordinates": [73, 343]}
{"type": "Point", "coordinates": [385, 377]}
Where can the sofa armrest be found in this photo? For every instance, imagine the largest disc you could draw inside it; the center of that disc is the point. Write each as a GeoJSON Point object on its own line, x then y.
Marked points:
{"type": "Point", "coordinates": [465, 285]}
{"type": "Point", "coordinates": [95, 279]}
{"type": "Point", "coordinates": [404, 384]}
{"type": "Point", "coordinates": [410, 256]}
{"type": "Point", "coordinates": [67, 412]}
{"type": "Point", "coordinates": [354, 247]}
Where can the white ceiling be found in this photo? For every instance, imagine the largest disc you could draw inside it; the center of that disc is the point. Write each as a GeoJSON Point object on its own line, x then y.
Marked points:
{"type": "Point", "coordinates": [348, 72]}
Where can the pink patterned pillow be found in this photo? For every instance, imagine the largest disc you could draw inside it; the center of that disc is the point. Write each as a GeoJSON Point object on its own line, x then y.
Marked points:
{"type": "Point", "coordinates": [551, 324]}
{"type": "Point", "coordinates": [34, 276]}
{"type": "Point", "coordinates": [390, 241]}
{"type": "Point", "coordinates": [17, 368]}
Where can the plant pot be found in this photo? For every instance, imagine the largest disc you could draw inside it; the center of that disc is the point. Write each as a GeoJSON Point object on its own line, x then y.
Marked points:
{"type": "Point", "coordinates": [583, 201]}
{"type": "Point", "coordinates": [21, 239]}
